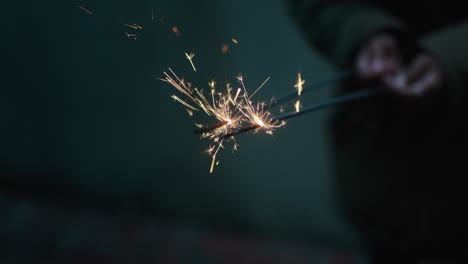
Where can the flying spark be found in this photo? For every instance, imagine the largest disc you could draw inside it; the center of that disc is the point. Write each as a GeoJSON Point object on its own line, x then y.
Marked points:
{"type": "Point", "coordinates": [84, 9]}
{"type": "Point", "coordinates": [237, 95]}
{"type": "Point", "coordinates": [189, 58]}
{"type": "Point", "coordinates": [299, 84]}
{"type": "Point", "coordinates": [134, 36]}
{"type": "Point", "coordinates": [234, 40]}
{"type": "Point", "coordinates": [176, 31]}
{"type": "Point", "coordinates": [297, 105]}
{"type": "Point", "coordinates": [224, 48]}
{"type": "Point", "coordinates": [134, 26]}
{"type": "Point", "coordinates": [183, 103]}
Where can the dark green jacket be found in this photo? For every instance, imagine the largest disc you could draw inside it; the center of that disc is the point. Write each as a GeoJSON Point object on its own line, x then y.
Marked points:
{"type": "Point", "coordinates": [399, 162]}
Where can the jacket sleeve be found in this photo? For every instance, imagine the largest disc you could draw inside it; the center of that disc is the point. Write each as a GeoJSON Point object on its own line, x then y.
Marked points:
{"type": "Point", "coordinates": [449, 46]}
{"type": "Point", "coordinates": [338, 28]}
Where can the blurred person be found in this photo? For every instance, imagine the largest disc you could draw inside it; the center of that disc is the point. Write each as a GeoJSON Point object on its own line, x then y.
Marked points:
{"type": "Point", "coordinates": [399, 157]}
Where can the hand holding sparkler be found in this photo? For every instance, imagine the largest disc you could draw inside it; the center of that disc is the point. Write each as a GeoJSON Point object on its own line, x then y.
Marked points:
{"type": "Point", "coordinates": [233, 112]}
{"type": "Point", "coordinates": [381, 58]}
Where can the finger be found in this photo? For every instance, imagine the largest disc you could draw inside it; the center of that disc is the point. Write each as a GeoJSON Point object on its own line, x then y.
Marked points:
{"type": "Point", "coordinates": [370, 66]}
{"type": "Point", "coordinates": [385, 56]}
{"type": "Point", "coordinates": [396, 82]}
{"type": "Point", "coordinates": [419, 67]}
{"type": "Point", "coordinates": [363, 64]}
{"type": "Point", "coordinates": [429, 81]}
{"type": "Point", "coordinates": [421, 76]}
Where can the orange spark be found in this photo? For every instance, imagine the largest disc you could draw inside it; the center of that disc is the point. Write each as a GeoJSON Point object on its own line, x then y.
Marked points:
{"type": "Point", "coordinates": [176, 31]}
{"type": "Point", "coordinates": [235, 41]}
{"type": "Point", "coordinates": [224, 48]}
{"type": "Point", "coordinates": [84, 9]}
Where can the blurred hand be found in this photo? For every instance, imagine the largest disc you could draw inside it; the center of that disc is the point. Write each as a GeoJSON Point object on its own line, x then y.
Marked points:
{"type": "Point", "coordinates": [380, 58]}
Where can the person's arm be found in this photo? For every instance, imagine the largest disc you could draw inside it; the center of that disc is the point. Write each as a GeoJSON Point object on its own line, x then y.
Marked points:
{"type": "Point", "coordinates": [339, 28]}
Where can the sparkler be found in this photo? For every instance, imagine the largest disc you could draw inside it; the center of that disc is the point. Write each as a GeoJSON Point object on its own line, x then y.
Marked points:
{"type": "Point", "coordinates": [337, 100]}
{"type": "Point", "coordinates": [238, 114]}
{"type": "Point", "coordinates": [315, 85]}
{"type": "Point", "coordinates": [231, 112]}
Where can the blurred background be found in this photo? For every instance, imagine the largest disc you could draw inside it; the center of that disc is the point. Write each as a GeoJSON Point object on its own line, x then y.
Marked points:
{"type": "Point", "coordinates": [99, 163]}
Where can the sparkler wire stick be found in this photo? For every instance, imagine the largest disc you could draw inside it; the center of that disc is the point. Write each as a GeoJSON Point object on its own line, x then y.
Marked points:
{"type": "Point", "coordinates": [337, 77]}
{"type": "Point", "coordinates": [337, 100]}
{"type": "Point", "coordinates": [317, 84]}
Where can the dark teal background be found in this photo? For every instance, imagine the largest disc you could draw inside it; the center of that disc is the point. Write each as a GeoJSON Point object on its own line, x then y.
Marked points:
{"type": "Point", "coordinates": [82, 113]}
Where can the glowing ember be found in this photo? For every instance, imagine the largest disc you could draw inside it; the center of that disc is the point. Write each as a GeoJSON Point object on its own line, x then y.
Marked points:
{"type": "Point", "coordinates": [175, 30]}
{"type": "Point", "coordinates": [224, 48]}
